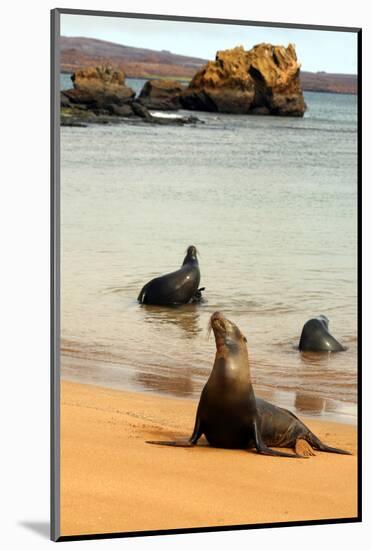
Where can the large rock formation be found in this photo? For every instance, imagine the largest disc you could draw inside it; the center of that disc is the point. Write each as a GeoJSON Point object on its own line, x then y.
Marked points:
{"type": "Point", "coordinates": [101, 96]}
{"type": "Point", "coordinates": [100, 89]}
{"type": "Point", "coordinates": [263, 80]}
{"type": "Point", "coordinates": [161, 94]}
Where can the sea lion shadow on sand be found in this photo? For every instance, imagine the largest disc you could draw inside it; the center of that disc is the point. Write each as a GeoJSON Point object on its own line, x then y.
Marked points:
{"type": "Point", "coordinates": [229, 415]}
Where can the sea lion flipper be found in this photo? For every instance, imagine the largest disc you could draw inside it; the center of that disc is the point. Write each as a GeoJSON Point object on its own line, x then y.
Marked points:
{"type": "Point", "coordinates": [142, 295]}
{"type": "Point", "coordinates": [197, 431]}
{"type": "Point", "coordinates": [318, 445]}
{"type": "Point", "coordinates": [191, 442]}
{"type": "Point", "coordinates": [180, 443]}
{"type": "Point", "coordinates": [271, 452]}
{"type": "Point", "coordinates": [326, 449]}
{"type": "Point", "coordinates": [303, 448]}
{"type": "Point", "coordinates": [197, 297]}
{"type": "Point", "coordinates": [335, 450]}
{"type": "Point", "coordinates": [262, 448]}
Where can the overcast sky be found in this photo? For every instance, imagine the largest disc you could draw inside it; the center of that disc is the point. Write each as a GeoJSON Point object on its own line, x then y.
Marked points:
{"type": "Point", "coordinates": [330, 51]}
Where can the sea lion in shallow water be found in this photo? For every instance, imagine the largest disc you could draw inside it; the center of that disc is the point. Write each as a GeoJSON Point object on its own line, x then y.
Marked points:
{"type": "Point", "coordinates": [230, 416]}
{"type": "Point", "coordinates": [315, 336]}
{"type": "Point", "coordinates": [178, 287]}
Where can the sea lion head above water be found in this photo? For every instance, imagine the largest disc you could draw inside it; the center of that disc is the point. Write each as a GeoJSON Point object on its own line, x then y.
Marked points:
{"type": "Point", "coordinates": [316, 336]}
{"type": "Point", "coordinates": [191, 255]}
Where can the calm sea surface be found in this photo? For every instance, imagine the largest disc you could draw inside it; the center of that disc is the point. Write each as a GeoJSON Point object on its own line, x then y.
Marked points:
{"type": "Point", "coordinates": [271, 205]}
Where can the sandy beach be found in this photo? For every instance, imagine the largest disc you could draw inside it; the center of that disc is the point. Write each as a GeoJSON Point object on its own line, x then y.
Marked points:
{"type": "Point", "coordinates": [112, 481]}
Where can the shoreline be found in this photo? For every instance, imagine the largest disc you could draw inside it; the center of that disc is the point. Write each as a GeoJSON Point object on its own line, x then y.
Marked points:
{"type": "Point", "coordinates": [312, 406]}
{"type": "Point", "coordinates": [112, 481]}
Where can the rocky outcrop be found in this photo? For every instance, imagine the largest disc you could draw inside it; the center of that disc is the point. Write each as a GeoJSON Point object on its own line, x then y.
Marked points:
{"type": "Point", "coordinates": [161, 94]}
{"type": "Point", "coordinates": [99, 89]}
{"type": "Point", "coordinates": [263, 80]}
{"type": "Point", "coordinates": [77, 116]}
{"type": "Point", "coordinates": [101, 96]}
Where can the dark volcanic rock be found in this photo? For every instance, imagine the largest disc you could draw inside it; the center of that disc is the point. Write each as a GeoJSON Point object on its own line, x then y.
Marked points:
{"type": "Point", "coordinates": [121, 110]}
{"type": "Point", "coordinates": [161, 94]}
{"type": "Point", "coordinates": [141, 110]}
{"type": "Point", "coordinates": [73, 123]}
{"type": "Point", "coordinates": [65, 102]}
{"type": "Point", "coordinates": [100, 96]}
{"type": "Point", "coordinates": [178, 121]}
{"type": "Point", "coordinates": [82, 117]}
{"type": "Point", "coordinates": [263, 80]}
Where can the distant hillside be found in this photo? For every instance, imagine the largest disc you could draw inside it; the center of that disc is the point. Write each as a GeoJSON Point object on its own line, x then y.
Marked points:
{"type": "Point", "coordinates": [329, 82]}
{"type": "Point", "coordinates": [77, 52]}
{"type": "Point", "coordinates": [136, 62]}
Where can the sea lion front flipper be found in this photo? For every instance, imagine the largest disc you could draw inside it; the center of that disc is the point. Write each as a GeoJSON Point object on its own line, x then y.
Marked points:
{"type": "Point", "coordinates": [142, 295]}
{"type": "Point", "coordinates": [191, 442]}
{"type": "Point", "coordinates": [197, 431]}
{"type": "Point", "coordinates": [180, 443]}
{"type": "Point", "coordinates": [197, 297]}
{"type": "Point", "coordinates": [271, 452]}
{"type": "Point", "coordinates": [262, 448]}
{"type": "Point", "coordinates": [303, 448]}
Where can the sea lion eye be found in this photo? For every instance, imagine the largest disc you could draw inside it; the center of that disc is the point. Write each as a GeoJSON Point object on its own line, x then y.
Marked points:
{"type": "Point", "coordinates": [232, 345]}
{"type": "Point", "coordinates": [239, 335]}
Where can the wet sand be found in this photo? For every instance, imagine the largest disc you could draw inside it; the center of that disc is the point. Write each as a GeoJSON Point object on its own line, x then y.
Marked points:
{"type": "Point", "coordinates": [112, 481]}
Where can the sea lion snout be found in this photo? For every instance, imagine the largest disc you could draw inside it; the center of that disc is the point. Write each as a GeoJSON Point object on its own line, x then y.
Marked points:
{"type": "Point", "coordinates": [217, 316]}
{"type": "Point", "coordinates": [324, 320]}
{"type": "Point", "coordinates": [218, 322]}
{"type": "Point", "coordinates": [224, 329]}
{"type": "Point", "coordinates": [192, 249]}
{"type": "Point", "coordinates": [192, 252]}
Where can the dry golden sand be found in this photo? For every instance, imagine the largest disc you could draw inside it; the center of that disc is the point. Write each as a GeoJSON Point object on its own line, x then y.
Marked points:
{"type": "Point", "coordinates": [112, 481]}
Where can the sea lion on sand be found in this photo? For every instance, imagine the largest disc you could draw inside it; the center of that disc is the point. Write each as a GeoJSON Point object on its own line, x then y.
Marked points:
{"type": "Point", "coordinates": [230, 416]}
{"type": "Point", "coordinates": [281, 428]}
{"type": "Point", "coordinates": [315, 336]}
{"type": "Point", "coordinates": [179, 287]}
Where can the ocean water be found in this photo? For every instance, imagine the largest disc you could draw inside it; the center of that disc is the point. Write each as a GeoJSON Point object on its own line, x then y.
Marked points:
{"type": "Point", "coordinates": [271, 204]}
